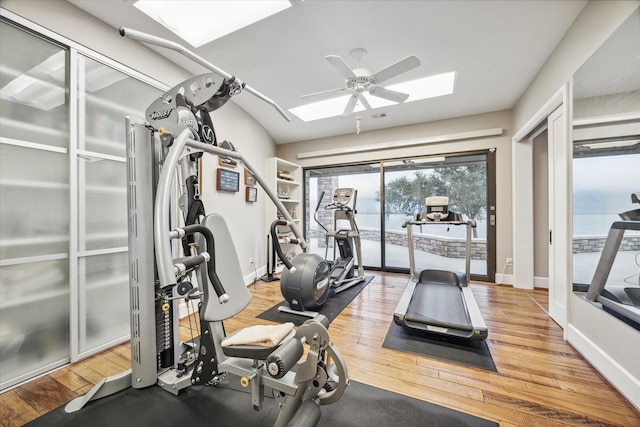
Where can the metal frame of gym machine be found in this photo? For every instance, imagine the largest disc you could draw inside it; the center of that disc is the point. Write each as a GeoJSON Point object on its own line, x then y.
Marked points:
{"type": "Point", "coordinates": [342, 212]}
{"type": "Point", "coordinates": [157, 355]}
{"type": "Point", "coordinates": [479, 331]}
{"type": "Point", "coordinates": [616, 298]}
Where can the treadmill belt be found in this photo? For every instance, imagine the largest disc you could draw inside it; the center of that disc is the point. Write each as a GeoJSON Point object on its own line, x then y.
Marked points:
{"type": "Point", "coordinates": [440, 305]}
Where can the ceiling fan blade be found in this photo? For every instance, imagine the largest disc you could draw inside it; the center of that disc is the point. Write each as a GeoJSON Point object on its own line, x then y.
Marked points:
{"type": "Point", "coordinates": [364, 102]}
{"type": "Point", "coordinates": [402, 66]}
{"type": "Point", "coordinates": [391, 95]}
{"type": "Point", "coordinates": [341, 66]}
{"type": "Point", "coordinates": [351, 105]}
{"type": "Point", "coordinates": [324, 92]}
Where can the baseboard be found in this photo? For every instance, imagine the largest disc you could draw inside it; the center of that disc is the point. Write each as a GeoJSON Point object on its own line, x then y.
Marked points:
{"type": "Point", "coordinates": [541, 282]}
{"type": "Point", "coordinates": [617, 376]}
{"type": "Point", "coordinates": [504, 279]}
{"type": "Point", "coordinates": [255, 276]}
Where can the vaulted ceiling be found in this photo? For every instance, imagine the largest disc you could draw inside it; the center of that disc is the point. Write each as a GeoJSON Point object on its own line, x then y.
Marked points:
{"type": "Point", "coordinates": [496, 48]}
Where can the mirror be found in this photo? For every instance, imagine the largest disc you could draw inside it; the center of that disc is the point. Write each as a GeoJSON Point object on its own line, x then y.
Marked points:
{"type": "Point", "coordinates": [606, 172]}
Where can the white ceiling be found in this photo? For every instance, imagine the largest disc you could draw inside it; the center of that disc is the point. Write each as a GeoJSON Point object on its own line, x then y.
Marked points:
{"type": "Point", "coordinates": [497, 47]}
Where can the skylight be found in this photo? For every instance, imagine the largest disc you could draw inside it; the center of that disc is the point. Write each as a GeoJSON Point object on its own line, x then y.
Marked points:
{"type": "Point", "coordinates": [418, 89]}
{"type": "Point", "coordinates": [200, 22]}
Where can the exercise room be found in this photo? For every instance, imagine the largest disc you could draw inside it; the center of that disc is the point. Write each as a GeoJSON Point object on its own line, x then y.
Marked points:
{"type": "Point", "coordinates": [319, 213]}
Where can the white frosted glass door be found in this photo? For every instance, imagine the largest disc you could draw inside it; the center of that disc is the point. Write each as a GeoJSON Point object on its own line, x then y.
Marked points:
{"type": "Point", "coordinates": [32, 89]}
{"type": "Point", "coordinates": [34, 206]}
{"type": "Point", "coordinates": [103, 282]}
{"type": "Point", "coordinates": [102, 199]}
{"type": "Point", "coordinates": [34, 202]}
{"type": "Point", "coordinates": [105, 97]}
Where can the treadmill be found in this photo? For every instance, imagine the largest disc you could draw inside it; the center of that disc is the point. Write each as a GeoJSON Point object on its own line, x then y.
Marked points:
{"type": "Point", "coordinates": [620, 300]}
{"type": "Point", "coordinates": [439, 303]}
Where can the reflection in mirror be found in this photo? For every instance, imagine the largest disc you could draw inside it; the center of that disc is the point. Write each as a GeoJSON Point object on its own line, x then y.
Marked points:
{"type": "Point", "coordinates": [606, 174]}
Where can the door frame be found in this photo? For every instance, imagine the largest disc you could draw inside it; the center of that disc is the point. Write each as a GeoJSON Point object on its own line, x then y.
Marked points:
{"type": "Point", "coordinates": [522, 200]}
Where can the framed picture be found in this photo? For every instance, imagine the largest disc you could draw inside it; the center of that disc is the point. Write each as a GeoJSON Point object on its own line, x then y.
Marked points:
{"type": "Point", "coordinates": [251, 194]}
{"type": "Point", "coordinates": [249, 178]}
{"type": "Point", "coordinates": [225, 161]}
{"type": "Point", "coordinates": [227, 180]}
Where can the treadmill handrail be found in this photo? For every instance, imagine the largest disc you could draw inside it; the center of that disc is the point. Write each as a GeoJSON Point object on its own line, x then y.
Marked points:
{"type": "Point", "coordinates": [609, 251]}
{"type": "Point", "coordinates": [412, 266]}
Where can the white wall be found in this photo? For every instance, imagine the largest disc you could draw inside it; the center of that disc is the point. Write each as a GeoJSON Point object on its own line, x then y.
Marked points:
{"type": "Point", "coordinates": [611, 346]}
{"type": "Point", "coordinates": [231, 122]}
{"type": "Point", "coordinates": [502, 144]}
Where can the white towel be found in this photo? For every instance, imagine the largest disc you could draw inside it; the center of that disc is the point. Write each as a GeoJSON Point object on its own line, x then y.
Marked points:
{"type": "Point", "coordinates": [265, 335]}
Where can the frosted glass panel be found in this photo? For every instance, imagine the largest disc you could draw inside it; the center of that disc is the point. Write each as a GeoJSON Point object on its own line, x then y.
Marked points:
{"type": "Point", "coordinates": [102, 204]}
{"type": "Point", "coordinates": [32, 89]}
{"type": "Point", "coordinates": [34, 317]}
{"type": "Point", "coordinates": [104, 287]}
{"type": "Point", "coordinates": [107, 96]}
{"type": "Point", "coordinates": [34, 202]}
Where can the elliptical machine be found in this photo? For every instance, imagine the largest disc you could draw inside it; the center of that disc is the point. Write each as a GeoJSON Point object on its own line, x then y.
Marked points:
{"type": "Point", "coordinates": [305, 280]}
{"type": "Point", "coordinates": [343, 206]}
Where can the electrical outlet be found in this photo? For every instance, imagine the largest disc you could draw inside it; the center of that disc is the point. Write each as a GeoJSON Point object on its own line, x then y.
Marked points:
{"type": "Point", "coordinates": [509, 261]}
{"type": "Point", "coordinates": [250, 261]}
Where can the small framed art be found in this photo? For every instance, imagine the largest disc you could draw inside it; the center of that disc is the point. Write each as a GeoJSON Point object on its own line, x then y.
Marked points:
{"type": "Point", "coordinates": [251, 194]}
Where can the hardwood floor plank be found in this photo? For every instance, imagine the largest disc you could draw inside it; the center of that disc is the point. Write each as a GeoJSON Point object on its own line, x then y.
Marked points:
{"type": "Point", "coordinates": [45, 394]}
{"type": "Point", "coordinates": [15, 411]}
{"type": "Point", "coordinates": [541, 380]}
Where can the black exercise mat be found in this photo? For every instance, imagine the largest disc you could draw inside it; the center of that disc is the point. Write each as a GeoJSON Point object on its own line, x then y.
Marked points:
{"type": "Point", "coordinates": [331, 308]}
{"type": "Point", "coordinates": [469, 353]}
{"type": "Point", "coordinates": [223, 406]}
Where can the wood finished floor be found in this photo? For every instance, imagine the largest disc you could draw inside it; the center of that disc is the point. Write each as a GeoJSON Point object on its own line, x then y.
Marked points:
{"type": "Point", "coordinates": [541, 380]}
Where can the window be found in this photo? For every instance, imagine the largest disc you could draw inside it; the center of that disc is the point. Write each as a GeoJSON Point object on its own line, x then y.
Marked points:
{"type": "Point", "coordinates": [383, 205]}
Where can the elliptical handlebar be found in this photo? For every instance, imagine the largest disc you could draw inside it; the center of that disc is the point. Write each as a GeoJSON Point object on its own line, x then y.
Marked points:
{"type": "Point", "coordinates": [315, 213]}
{"type": "Point", "coordinates": [276, 243]}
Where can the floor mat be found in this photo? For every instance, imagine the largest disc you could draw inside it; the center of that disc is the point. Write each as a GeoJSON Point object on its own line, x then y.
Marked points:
{"type": "Point", "coordinates": [469, 353]}
{"type": "Point", "coordinates": [223, 406]}
{"type": "Point", "coordinates": [331, 308]}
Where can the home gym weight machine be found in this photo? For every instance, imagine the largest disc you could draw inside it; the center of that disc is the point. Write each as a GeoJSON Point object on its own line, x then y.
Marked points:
{"type": "Point", "coordinates": [163, 150]}
{"type": "Point", "coordinates": [343, 205]}
{"type": "Point", "coordinates": [440, 302]}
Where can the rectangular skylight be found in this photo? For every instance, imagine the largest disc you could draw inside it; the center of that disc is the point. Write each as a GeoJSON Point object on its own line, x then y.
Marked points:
{"type": "Point", "coordinates": [200, 22]}
{"type": "Point", "coordinates": [418, 89]}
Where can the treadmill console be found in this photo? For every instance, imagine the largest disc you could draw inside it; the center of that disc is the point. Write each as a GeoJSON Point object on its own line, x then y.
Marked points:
{"type": "Point", "coordinates": [437, 208]}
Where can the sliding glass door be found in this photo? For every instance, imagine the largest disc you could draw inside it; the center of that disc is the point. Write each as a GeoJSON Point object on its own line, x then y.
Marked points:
{"type": "Point", "coordinates": [363, 178]}
{"type": "Point", "coordinates": [392, 192]}
{"type": "Point", "coordinates": [407, 183]}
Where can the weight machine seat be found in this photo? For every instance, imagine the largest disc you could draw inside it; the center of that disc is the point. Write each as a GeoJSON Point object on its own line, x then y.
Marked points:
{"type": "Point", "coordinates": [255, 352]}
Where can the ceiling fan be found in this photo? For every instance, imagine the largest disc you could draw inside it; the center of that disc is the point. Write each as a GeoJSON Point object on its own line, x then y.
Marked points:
{"type": "Point", "coordinates": [360, 80]}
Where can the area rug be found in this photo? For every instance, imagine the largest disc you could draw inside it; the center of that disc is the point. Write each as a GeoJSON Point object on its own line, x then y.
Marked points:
{"type": "Point", "coordinates": [331, 308]}
{"type": "Point", "coordinates": [469, 353]}
{"type": "Point", "coordinates": [227, 406]}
